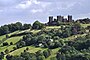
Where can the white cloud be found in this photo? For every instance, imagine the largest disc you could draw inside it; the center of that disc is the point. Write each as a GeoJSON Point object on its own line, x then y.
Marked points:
{"type": "Point", "coordinates": [27, 3]}
{"type": "Point", "coordinates": [36, 10]}
{"type": "Point", "coordinates": [28, 9]}
{"type": "Point", "coordinates": [36, 2]}
{"type": "Point", "coordinates": [24, 4]}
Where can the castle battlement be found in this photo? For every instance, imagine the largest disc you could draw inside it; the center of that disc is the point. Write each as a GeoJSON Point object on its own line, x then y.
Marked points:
{"type": "Point", "coordinates": [54, 21]}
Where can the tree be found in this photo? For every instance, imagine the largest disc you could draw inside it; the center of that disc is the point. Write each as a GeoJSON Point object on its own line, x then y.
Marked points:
{"type": "Point", "coordinates": [11, 43]}
{"type": "Point", "coordinates": [40, 58]}
{"type": "Point", "coordinates": [60, 56]}
{"type": "Point", "coordinates": [38, 25]}
{"type": "Point", "coordinates": [18, 25]}
{"type": "Point", "coordinates": [14, 48]}
{"type": "Point", "coordinates": [46, 53]}
{"type": "Point", "coordinates": [77, 29]}
{"type": "Point", "coordinates": [9, 57]}
{"type": "Point", "coordinates": [1, 31]}
{"type": "Point", "coordinates": [26, 26]}
{"type": "Point", "coordinates": [6, 51]}
{"type": "Point", "coordinates": [39, 53]}
{"type": "Point", "coordinates": [57, 44]}
{"type": "Point", "coordinates": [7, 36]}
{"type": "Point", "coordinates": [24, 50]}
{"type": "Point", "coordinates": [67, 32]}
{"type": "Point", "coordinates": [41, 38]}
{"type": "Point", "coordinates": [1, 55]}
{"type": "Point", "coordinates": [28, 56]}
{"type": "Point", "coordinates": [17, 58]}
{"type": "Point", "coordinates": [27, 48]}
{"type": "Point", "coordinates": [21, 44]}
{"type": "Point", "coordinates": [5, 29]}
{"type": "Point", "coordinates": [79, 57]}
{"type": "Point", "coordinates": [5, 44]}
{"type": "Point", "coordinates": [51, 45]}
{"type": "Point", "coordinates": [13, 27]}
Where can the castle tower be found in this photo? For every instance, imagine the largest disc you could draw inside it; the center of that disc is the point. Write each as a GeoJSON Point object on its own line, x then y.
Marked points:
{"type": "Point", "coordinates": [50, 19]}
{"type": "Point", "coordinates": [59, 18]}
{"type": "Point", "coordinates": [69, 18]}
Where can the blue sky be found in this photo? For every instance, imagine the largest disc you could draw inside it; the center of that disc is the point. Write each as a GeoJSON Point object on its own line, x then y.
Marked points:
{"type": "Point", "coordinates": [27, 11]}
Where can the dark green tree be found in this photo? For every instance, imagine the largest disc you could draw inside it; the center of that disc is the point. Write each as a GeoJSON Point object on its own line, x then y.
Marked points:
{"type": "Point", "coordinates": [38, 25]}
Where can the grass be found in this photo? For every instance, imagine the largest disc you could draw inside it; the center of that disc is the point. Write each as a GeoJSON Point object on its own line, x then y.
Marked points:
{"type": "Point", "coordinates": [2, 37]}
{"type": "Point", "coordinates": [85, 25]}
{"type": "Point", "coordinates": [53, 53]}
{"type": "Point", "coordinates": [13, 39]}
{"type": "Point", "coordinates": [74, 36]}
{"type": "Point", "coordinates": [35, 31]}
{"type": "Point", "coordinates": [53, 27]}
{"type": "Point", "coordinates": [31, 50]}
{"type": "Point", "coordinates": [13, 33]}
{"type": "Point", "coordinates": [6, 47]}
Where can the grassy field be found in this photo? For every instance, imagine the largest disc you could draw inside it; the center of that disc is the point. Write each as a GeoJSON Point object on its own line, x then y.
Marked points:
{"type": "Point", "coordinates": [53, 53]}
{"type": "Point", "coordinates": [13, 33]}
{"type": "Point", "coordinates": [31, 50]}
{"type": "Point", "coordinates": [2, 37]}
{"type": "Point", "coordinates": [35, 31]}
{"type": "Point", "coordinates": [53, 27]}
{"type": "Point", "coordinates": [6, 47]}
{"type": "Point", "coordinates": [14, 39]}
{"type": "Point", "coordinates": [85, 25]}
{"type": "Point", "coordinates": [75, 36]}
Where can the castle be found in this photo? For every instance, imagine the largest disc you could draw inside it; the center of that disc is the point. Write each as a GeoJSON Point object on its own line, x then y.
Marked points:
{"type": "Point", "coordinates": [54, 21]}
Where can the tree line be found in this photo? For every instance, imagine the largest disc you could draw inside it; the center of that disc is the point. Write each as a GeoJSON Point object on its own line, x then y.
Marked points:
{"type": "Point", "coordinates": [19, 26]}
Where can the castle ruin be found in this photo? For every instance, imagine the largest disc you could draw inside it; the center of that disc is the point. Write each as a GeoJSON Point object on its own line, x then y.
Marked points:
{"type": "Point", "coordinates": [54, 21]}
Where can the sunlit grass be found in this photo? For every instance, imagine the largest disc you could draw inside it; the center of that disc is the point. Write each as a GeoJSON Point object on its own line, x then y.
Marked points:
{"type": "Point", "coordinates": [14, 40]}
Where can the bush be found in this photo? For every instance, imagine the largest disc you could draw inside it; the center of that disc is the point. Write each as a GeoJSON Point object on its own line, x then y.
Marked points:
{"type": "Point", "coordinates": [5, 44]}
{"type": "Point", "coordinates": [7, 36]}
{"type": "Point", "coordinates": [14, 48]}
{"type": "Point", "coordinates": [11, 43]}
{"type": "Point", "coordinates": [6, 51]}
{"type": "Point", "coordinates": [27, 48]}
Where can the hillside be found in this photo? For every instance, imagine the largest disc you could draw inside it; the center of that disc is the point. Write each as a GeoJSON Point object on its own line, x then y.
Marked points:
{"type": "Point", "coordinates": [14, 42]}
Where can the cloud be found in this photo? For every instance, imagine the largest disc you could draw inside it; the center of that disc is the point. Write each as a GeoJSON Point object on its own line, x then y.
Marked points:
{"type": "Point", "coordinates": [27, 3]}
{"type": "Point", "coordinates": [36, 2]}
{"type": "Point", "coordinates": [30, 10]}
{"type": "Point", "coordinates": [24, 4]}
{"type": "Point", "coordinates": [36, 10]}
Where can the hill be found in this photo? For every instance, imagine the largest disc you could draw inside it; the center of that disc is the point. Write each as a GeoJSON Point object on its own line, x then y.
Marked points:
{"type": "Point", "coordinates": [46, 43]}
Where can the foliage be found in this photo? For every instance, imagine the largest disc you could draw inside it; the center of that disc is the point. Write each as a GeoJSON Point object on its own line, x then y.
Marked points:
{"type": "Point", "coordinates": [38, 25]}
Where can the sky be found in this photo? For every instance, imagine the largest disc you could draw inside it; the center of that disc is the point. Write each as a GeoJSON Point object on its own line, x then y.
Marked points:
{"type": "Point", "coordinates": [28, 11]}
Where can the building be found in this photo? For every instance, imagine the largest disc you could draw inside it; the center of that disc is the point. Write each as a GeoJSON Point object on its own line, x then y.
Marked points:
{"type": "Point", "coordinates": [60, 18]}
{"type": "Point", "coordinates": [69, 18]}
{"type": "Point", "coordinates": [50, 19]}
{"type": "Point", "coordinates": [54, 21]}
{"type": "Point", "coordinates": [65, 20]}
